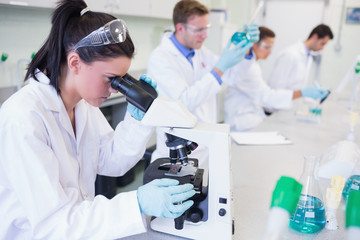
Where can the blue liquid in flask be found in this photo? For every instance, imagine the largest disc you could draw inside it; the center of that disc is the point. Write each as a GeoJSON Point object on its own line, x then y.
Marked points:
{"type": "Point", "coordinates": [352, 184]}
{"type": "Point", "coordinates": [309, 216]}
{"type": "Point", "coordinates": [239, 36]}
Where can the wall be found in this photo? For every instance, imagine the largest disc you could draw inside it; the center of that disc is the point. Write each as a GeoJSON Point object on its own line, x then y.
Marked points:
{"type": "Point", "coordinates": [23, 30]}
{"type": "Point", "coordinates": [336, 63]}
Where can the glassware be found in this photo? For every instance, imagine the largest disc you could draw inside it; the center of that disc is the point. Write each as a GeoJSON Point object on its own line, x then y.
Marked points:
{"type": "Point", "coordinates": [333, 198]}
{"type": "Point", "coordinates": [309, 216]}
{"type": "Point", "coordinates": [239, 36]}
{"type": "Point", "coordinates": [353, 182]}
{"type": "Point", "coordinates": [111, 33]}
{"type": "Point", "coordinates": [353, 119]}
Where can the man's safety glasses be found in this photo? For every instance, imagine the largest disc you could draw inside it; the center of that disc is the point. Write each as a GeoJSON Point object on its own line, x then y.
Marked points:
{"type": "Point", "coordinates": [195, 30]}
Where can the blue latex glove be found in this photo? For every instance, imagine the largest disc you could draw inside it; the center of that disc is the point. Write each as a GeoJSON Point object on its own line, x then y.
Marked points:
{"type": "Point", "coordinates": [231, 57]}
{"type": "Point", "coordinates": [134, 111]}
{"type": "Point", "coordinates": [157, 198]}
{"type": "Point", "coordinates": [253, 31]}
{"type": "Point", "coordinates": [314, 92]}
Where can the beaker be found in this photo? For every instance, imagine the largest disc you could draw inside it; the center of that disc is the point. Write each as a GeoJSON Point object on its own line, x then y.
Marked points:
{"type": "Point", "coordinates": [309, 216]}
{"type": "Point", "coordinates": [353, 181]}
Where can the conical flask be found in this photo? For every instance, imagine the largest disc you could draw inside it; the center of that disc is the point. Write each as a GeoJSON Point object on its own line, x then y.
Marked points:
{"type": "Point", "coordinates": [353, 182]}
{"type": "Point", "coordinates": [309, 216]}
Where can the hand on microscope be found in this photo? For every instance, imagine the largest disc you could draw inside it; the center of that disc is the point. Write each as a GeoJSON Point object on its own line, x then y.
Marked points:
{"type": "Point", "coordinates": [134, 111]}
{"type": "Point", "coordinates": [314, 92]}
{"type": "Point", "coordinates": [160, 198]}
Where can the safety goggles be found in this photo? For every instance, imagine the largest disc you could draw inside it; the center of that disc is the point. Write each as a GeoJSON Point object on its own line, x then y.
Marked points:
{"type": "Point", "coordinates": [112, 32]}
{"type": "Point", "coordinates": [195, 30]}
{"type": "Point", "coordinates": [265, 46]}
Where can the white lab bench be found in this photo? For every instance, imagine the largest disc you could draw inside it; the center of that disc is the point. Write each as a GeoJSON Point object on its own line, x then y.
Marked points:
{"type": "Point", "coordinates": [257, 168]}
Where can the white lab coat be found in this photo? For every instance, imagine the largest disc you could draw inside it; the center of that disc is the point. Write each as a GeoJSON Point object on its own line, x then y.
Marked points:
{"type": "Point", "coordinates": [47, 174]}
{"type": "Point", "coordinates": [245, 100]}
{"type": "Point", "coordinates": [291, 68]}
{"type": "Point", "coordinates": [193, 85]}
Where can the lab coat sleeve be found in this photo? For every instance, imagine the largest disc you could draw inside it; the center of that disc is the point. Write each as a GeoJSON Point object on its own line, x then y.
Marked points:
{"type": "Point", "coordinates": [122, 149]}
{"type": "Point", "coordinates": [237, 73]}
{"type": "Point", "coordinates": [169, 72]}
{"type": "Point", "coordinates": [30, 171]}
{"type": "Point", "coordinates": [254, 87]}
{"type": "Point", "coordinates": [282, 72]}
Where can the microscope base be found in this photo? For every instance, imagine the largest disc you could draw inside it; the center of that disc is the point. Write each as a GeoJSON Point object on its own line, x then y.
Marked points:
{"type": "Point", "coordinates": [201, 230]}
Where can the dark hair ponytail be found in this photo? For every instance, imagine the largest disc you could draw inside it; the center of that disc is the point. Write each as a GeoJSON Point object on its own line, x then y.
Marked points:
{"type": "Point", "coordinates": [69, 27]}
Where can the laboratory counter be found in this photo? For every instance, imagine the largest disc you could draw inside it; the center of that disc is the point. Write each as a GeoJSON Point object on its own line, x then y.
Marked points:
{"type": "Point", "coordinates": [256, 168]}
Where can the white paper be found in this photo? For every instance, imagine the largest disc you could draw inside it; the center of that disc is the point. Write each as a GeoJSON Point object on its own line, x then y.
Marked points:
{"type": "Point", "coordinates": [259, 138]}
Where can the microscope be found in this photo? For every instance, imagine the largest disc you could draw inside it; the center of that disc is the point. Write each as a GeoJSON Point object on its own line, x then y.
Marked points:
{"type": "Point", "coordinates": [178, 166]}
{"type": "Point", "coordinates": [211, 215]}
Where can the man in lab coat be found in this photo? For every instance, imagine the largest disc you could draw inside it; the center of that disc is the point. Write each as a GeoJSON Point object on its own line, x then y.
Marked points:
{"type": "Point", "coordinates": [189, 72]}
{"type": "Point", "coordinates": [292, 66]}
{"type": "Point", "coordinates": [245, 99]}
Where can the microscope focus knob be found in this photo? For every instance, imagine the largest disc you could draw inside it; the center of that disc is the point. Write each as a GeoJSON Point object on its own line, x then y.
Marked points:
{"type": "Point", "coordinates": [222, 212]}
{"type": "Point", "coordinates": [195, 214]}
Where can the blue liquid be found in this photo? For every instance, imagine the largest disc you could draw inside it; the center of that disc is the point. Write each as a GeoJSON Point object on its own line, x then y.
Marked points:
{"type": "Point", "coordinates": [238, 37]}
{"type": "Point", "coordinates": [352, 184]}
{"type": "Point", "coordinates": [309, 216]}
{"type": "Point", "coordinates": [316, 111]}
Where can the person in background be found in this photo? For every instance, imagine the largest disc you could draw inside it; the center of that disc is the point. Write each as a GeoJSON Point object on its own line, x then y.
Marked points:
{"type": "Point", "coordinates": [246, 99]}
{"type": "Point", "coordinates": [54, 140]}
{"type": "Point", "coordinates": [292, 65]}
{"type": "Point", "coordinates": [186, 70]}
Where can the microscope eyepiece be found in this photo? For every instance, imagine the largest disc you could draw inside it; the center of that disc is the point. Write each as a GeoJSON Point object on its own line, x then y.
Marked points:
{"type": "Point", "coordinates": [137, 92]}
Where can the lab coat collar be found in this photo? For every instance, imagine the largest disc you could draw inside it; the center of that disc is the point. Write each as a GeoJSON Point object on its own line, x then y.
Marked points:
{"type": "Point", "coordinates": [56, 104]}
{"type": "Point", "coordinates": [303, 48]}
{"type": "Point", "coordinates": [169, 45]}
{"type": "Point", "coordinates": [188, 53]}
{"type": "Point", "coordinates": [307, 50]}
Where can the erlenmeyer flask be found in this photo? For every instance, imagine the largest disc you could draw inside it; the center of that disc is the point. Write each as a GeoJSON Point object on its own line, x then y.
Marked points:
{"type": "Point", "coordinates": [353, 182]}
{"type": "Point", "coordinates": [309, 216]}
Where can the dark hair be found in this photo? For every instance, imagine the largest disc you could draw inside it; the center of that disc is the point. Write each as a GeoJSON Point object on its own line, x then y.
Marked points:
{"type": "Point", "coordinates": [322, 31]}
{"type": "Point", "coordinates": [69, 27]}
{"type": "Point", "coordinates": [187, 8]}
{"type": "Point", "coordinates": [265, 33]}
